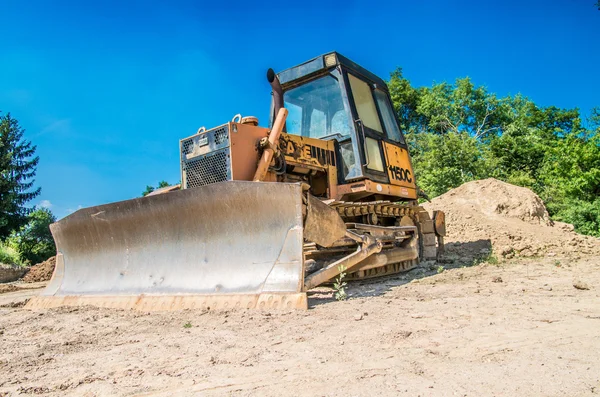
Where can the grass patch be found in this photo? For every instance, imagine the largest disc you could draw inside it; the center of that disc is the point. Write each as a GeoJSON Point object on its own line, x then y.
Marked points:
{"type": "Point", "coordinates": [340, 285]}
{"type": "Point", "coordinates": [489, 258]}
{"type": "Point", "coordinates": [557, 263]}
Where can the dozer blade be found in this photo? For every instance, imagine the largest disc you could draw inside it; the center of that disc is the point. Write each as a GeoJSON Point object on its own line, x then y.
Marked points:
{"type": "Point", "coordinates": [230, 244]}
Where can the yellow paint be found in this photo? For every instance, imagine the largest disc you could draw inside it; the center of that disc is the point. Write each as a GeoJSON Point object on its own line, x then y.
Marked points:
{"type": "Point", "coordinates": [399, 168]}
{"type": "Point", "coordinates": [309, 151]}
{"type": "Point", "coordinates": [368, 186]}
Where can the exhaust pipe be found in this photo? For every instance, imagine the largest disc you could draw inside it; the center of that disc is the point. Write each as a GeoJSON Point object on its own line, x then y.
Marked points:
{"type": "Point", "coordinates": [277, 93]}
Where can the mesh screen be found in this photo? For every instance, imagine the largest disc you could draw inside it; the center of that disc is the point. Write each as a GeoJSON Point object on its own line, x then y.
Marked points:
{"type": "Point", "coordinates": [220, 136]}
{"type": "Point", "coordinates": [208, 169]}
{"type": "Point", "coordinates": [215, 137]}
{"type": "Point", "coordinates": [186, 145]}
{"type": "Point", "coordinates": [205, 158]}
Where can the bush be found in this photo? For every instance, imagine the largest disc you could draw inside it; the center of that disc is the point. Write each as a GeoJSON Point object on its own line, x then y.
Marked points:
{"type": "Point", "coordinates": [583, 215]}
{"type": "Point", "coordinates": [34, 241]}
{"type": "Point", "coordinates": [9, 255]}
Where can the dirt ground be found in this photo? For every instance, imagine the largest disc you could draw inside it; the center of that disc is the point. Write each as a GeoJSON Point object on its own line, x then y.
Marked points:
{"type": "Point", "coordinates": [521, 328]}
{"type": "Point", "coordinates": [485, 321]}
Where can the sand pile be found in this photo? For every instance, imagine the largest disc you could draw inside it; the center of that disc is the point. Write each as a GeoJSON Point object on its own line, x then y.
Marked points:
{"type": "Point", "coordinates": [41, 271]}
{"type": "Point", "coordinates": [510, 220]}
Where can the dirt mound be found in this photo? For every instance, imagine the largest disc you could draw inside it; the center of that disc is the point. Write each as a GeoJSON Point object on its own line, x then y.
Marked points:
{"type": "Point", "coordinates": [492, 197]}
{"type": "Point", "coordinates": [487, 215]}
{"type": "Point", "coordinates": [41, 271]}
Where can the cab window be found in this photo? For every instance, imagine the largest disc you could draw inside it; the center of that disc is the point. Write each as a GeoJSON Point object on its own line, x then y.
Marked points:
{"type": "Point", "coordinates": [317, 109]}
{"type": "Point", "coordinates": [389, 120]}
{"type": "Point", "coordinates": [365, 105]}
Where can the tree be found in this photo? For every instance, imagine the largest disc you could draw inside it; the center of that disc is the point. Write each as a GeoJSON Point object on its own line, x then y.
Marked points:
{"type": "Point", "coordinates": [34, 240]}
{"type": "Point", "coordinates": [461, 132]}
{"type": "Point", "coordinates": [17, 169]}
{"type": "Point", "coordinates": [443, 162]}
{"type": "Point", "coordinates": [443, 108]}
{"type": "Point", "coordinates": [594, 119]}
{"type": "Point", "coordinates": [405, 99]}
{"type": "Point", "coordinates": [571, 171]}
{"type": "Point", "coordinates": [150, 189]}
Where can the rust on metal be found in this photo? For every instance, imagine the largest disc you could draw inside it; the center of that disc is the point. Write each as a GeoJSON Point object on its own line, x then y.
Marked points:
{"type": "Point", "coordinates": [323, 225]}
{"type": "Point", "coordinates": [367, 247]}
{"type": "Point", "coordinates": [366, 188]}
{"type": "Point", "coordinates": [273, 140]}
{"type": "Point", "coordinates": [244, 156]}
{"type": "Point", "coordinates": [439, 219]}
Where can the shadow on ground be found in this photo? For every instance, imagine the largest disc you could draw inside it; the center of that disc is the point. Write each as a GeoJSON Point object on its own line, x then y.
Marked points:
{"type": "Point", "coordinates": [456, 254]}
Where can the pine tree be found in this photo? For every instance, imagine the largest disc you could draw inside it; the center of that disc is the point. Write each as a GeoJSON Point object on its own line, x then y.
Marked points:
{"type": "Point", "coordinates": [17, 169]}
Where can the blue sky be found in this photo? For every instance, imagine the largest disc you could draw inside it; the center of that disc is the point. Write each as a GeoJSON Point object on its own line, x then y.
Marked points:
{"type": "Point", "coordinates": [106, 89]}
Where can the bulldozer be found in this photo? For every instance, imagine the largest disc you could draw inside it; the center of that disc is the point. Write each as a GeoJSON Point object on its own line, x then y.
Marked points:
{"type": "Point", "coordinates": [262, 214]}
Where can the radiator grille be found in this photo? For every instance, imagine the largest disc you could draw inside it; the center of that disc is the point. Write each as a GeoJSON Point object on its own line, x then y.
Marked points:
{"type": "Point", "coordinates": [212, 168]}
{"type": "Point", "coordinates": [220, 136]}
{"type": "Point", "coordinates": [205, 158]}
{"type": "Point", "coordinates": [186, 146]}
{"type": "Point", "coordinates": [205, 142]}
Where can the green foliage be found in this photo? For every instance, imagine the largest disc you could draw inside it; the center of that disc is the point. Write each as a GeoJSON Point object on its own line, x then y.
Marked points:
{"type": "Point", "coordinates": [492, 259]}
{"type": "Point", "coordinates": [339, 285]}
{"type": "Point", "coordinates": [9, 255]}
{"type": "Point", "coordinates": [583, 214]}
{"type": "Point", "coordinates": [187, 325]}
{"type": "Point", "coordinates": [34, 241]}
{"type": "Point", "coordinates": [446, 161]}
{"type": "Point", "coordinates": [17, 169]}
{"type": "Point", "coordinates": [443, 108]}
{"type": "Point", "coordinates": [150, 189]}
{"type": "Point", "coordinates": [460, 132]}
{"type": "Point", "coordinates": [571, 168]}
{"type": "Point", "coordinates": [489, 258]}
{"type": "Point", "coordinates": [594, 119]}
{"type": "Point", "coordinates": [557, 263]}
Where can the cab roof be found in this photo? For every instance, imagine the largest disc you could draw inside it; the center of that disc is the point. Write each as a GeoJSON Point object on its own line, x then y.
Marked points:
{"type": "Point", "coordinates": [319, 65]}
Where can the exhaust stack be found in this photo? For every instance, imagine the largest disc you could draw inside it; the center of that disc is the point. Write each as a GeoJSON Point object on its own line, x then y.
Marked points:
{"type": "Point", "coordinates": [277, 93]}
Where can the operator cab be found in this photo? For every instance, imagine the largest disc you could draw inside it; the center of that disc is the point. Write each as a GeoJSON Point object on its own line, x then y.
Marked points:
{"type": "Point", "coordinates": [332, 98]}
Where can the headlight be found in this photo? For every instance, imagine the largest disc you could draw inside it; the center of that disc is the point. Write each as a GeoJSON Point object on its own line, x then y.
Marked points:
{"type": "Point", "coordinates": [330, 60]}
